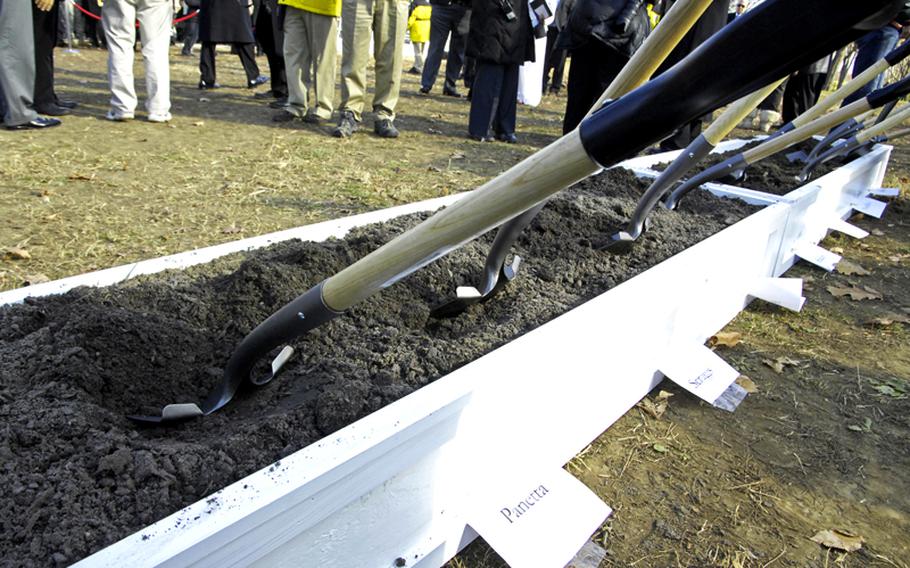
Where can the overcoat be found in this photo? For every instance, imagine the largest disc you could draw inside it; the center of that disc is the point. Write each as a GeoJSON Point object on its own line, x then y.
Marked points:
{"type": "Point", "coordinates": [225, 21]}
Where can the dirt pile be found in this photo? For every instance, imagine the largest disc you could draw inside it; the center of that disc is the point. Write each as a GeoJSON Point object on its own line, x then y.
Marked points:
{"type": "Point", "coordinates": [81, 476]}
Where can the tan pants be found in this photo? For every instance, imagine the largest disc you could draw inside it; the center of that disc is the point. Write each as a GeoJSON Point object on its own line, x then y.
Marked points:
{"type": "Point", "coordinates": [387, 21]}
{"type": "Point", "coordinates": [310, 56]}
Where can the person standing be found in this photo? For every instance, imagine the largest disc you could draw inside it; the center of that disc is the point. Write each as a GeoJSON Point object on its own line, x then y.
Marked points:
{"type": "Point", "coordinates": [386, 21]}
{"type": "Point", "coordinates": [419, 27]}
{"type": "Point", "coordinates": [601, 36]}
{"type": "Point", "coordinates": [873, 46]}
{"type": "Point", "coordinates": [227, 21]}
{"type": "Point", "coordinates": [17, 65]}
{"type": "Point", "coordinates": [446, 24]}
{"type": "Point", "coordinates": [555, 57]}
{"type": "Point", "coordinates": [310, 32]}
{"type": "Point", "coordinates": [119, 22]}
{"type": "Point", "coordinates": [269, 35]}
{"type": "Point", "coordinates": [45, 25]}
{"type": "Point", "coordinates": [804, 87]}
{"type": "Point", "coordinates": [190, 27]}
{"type": "Point", "coordinates": [501, 40]}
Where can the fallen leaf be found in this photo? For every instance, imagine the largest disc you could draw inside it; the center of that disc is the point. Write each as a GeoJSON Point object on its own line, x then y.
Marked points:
{"type": "Point", "coordinates": [747, 384]}
{"type": "Point", "coordinates": [851, 268]}
{"type": "Point", "coordinates": [855, 428]}
{"type": "Point", "coordinates": [84, 177]}
{"type": "Point", "coordinates": [199, 123]}
{"type": "Point", "coordinates": [837, 250]}
{"type": "Point", "coordinates": [232, 230]}
{"type": "Point", "coordinates": [16, 253]}
{"type": "Point", "coordinates": [726, 338]}
{"type": "Point", "coordinates": [457, 156]}
{"type": "Point", "coordinates": [779, 363]}
{"type": "Point", "coordinates": [878, 232]}
{"type": "Point", "coordinates": [839, 540]}
{"type": "Point", "coordinates": [36, 278]}
{"type": "Point", "coordinates": [660, 448]}
{"type": "Point", "coordinates": [855, 293]}
{"type": "Point", "coordinates": [655, 407]}
{"type": "Point", "coordinates": [434, 169]}
{"type": "Point", "coordinates": [887, 320]}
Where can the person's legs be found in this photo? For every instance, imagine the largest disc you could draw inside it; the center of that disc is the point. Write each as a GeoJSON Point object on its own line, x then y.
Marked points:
{"type": "Point", "coordinates": [17, 62]}
{"type": "Point", "coordinates": [323, 54]}
{"type": "Point", "coordinates": [356, 30]}
{"type": "Point", "coordinates": [552, 34]}
{"type": "Point", "coordinates": [297, 61]}
{"type": "Point", "coordinates": [207, 64]}
{"type": "Point", "coordinates": [45, 32]}
{"type": "Point", "coordinates": [118, 21]}
{"type": "Point", "coordinates": [191, 35]}
{"type": "Point", "coordinates": [155, 17]}
{"type": "Point", "coordinates": [507, 107]}
{"type": "Point", "coordinates": [455, 60]}
{"type": "Point", "coordinates": [419, 49]}
{"type": "Point", "coordinates": [442, 21]}
{"type": "Point", "coordinates": [390, 24]}
{"type": "Point", "coordinates": [592, 70]}
{"type": "Point", "coordinates": [248, 60]}
{"type": "Point", "coordinates": [265, 35]}
{"type": "Point", "coordinates": [487, 86]}
{"type": "Point", "coordinates": [870, 48]}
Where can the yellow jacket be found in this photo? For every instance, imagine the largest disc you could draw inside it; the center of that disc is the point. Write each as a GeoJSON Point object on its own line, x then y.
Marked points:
{"type": "Point", "coordinates": [324, 7]}
{"type": "Point", "coordinates": [419, 24]}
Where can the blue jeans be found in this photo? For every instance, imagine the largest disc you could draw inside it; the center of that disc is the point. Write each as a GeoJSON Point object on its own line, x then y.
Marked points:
{"type": "Point", "coordinates": [444, 20]}
{"type": "Point", "coordinates": [869, 49]}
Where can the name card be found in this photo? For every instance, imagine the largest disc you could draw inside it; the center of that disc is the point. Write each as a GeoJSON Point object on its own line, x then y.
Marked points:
{"type": "Point", "coordinates": [538, 521]}
{"type": "Point", "coordinates": [700, 371]}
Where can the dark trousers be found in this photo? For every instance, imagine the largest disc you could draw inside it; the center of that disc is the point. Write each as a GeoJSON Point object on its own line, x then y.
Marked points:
{"type": "Point", "coordinates": [774, 100]}
{"type": "Point", "coordinates": [594, 66]}
{"type": "Point", "coordinates": [443, 21]}
{"type": "Point", "coordinates": [554, 59]}
{"type": "Point", "coordinates": [494, 100]}
{"type": "Point", "coordinates": [207, 61]}
{"type": "Point", "coordinates": [45, 28]}
{"type": "Point", "coordinates": [265, 35]}
{"type": "Point", "coordinates": [190, 34]}
{"type": "Point", "coordinates": [801, 93]}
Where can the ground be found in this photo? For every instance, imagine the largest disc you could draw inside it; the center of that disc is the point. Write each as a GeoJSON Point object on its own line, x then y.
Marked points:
{"type": "Point", "coordinates": [822, 443]}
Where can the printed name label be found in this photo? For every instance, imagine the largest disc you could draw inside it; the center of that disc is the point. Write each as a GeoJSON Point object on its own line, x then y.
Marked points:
{"type": "Point", "coordinates": [698, 370]}
{"type": "Point", "coordinates": [538, 521]}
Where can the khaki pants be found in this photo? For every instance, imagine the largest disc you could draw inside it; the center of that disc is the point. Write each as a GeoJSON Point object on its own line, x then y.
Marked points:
{"type": "Point", "coordinates": [155, 17]}
{"type": "Point", "coordinates": [310, 55]}
{"type": "Point", "coordinates": [387, 21]}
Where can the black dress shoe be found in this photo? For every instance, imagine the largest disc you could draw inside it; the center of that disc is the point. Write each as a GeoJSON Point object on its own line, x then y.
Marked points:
{"type": "Point", "coordinates": [480, 138]}
{"type": "Point", "coordinates": [279, 103]}
{"type": "Point", "coordinates": [205, 86]}
{"type": "Point", "coordinates": [451, 93]}
{"type": "Point", "coordinates": [424, 90]}
{"type": "Point", "coordinates": [52, 109]}
{"type": "Point", "coordinates": [266, 95]}
{"type": "Point", "coordinates": [260, 80]}
{"type": "Point", "coordinates": [507, 138]}
{"type": "Point", "coordinates": [66, 103]}
{"type": "Point", "coordinates": [40, 122]}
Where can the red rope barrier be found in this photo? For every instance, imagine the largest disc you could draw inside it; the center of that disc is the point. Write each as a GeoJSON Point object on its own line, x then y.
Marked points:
{"type": "Point", "coordinates": [97, 17]}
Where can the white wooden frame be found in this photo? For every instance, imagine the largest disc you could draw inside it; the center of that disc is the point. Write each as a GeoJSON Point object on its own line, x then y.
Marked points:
{"type": "Point", "coordinates": [393, 487]}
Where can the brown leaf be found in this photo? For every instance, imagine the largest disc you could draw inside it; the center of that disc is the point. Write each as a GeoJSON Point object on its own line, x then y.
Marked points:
{"type": "Point", "coordinates": [35, 278]}
{"type": "Point", "coordinates": [83, 177]}
{"type": "Point", "coordinates": [726, 338]}
{"type": "Point", "coordinates": [779, 363]}
{"type": "Point", "coordinates": [232, 230]}
{"type": "Point", "coordinates": [887, 319]}
{"type": "Point", "coordinates": [747, 384]}
{"type": "Point", "coordinates": [16, 253]}
{"type": "Point", "coordinates": [655, 407]}
{"type": "Point", "coordinates": [837, 250]}
{"type": "Point", "coordinates": [878, 232]}
{"type": "Point", "coordinates": [855, 293]}
{"type": "Point", "coordinates": [839, 540]}
{"type": "Point", "coordinates": [851, 268]}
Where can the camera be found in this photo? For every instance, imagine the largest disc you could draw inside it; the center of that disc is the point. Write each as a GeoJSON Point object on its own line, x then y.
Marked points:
{"type": "Point", "coordinates": [507, 9]}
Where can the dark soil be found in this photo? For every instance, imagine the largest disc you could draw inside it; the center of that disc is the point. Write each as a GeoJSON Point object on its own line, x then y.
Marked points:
{"type": "Point", "coordinates": [775, 174]}
{"type": "Point", "coordinates": [80, 476]}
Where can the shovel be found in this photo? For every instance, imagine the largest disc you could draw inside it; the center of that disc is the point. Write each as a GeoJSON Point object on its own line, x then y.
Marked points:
{"type": "Point", "coordinates": [688, 158]}
{"type": "Point", "coordinates": [873, 135]}
{"type": "Point", "coordinates": [780, 36]}
{"type": "Point", "coordinates": [737, 164]}
{"type": "Point", "coordinates": [496, 273]}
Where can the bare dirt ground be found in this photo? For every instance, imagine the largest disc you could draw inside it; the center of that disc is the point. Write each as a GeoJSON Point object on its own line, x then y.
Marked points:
{"type": "Point", "coordinates": [822, 444]}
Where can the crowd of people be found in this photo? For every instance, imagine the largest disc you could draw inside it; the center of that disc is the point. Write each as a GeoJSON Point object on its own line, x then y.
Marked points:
{"type": "Point", "coordinates": [485, 43]}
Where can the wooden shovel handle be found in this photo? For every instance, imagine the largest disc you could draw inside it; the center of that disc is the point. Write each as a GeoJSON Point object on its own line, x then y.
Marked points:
{"type": "Point", "coordinates": [895, 119]}
{"type": "Point", "coordinates": [736, 112]}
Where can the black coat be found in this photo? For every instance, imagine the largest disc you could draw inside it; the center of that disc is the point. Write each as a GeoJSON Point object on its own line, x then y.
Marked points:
{"type": "Point", "coordinates": [225, 21]}
{"type": "Point", "coordinates": [710, 22]}
{"type": "Point", "coordinates": [621, 25]}
{"type": "Point", "coordinates": [495, 39]}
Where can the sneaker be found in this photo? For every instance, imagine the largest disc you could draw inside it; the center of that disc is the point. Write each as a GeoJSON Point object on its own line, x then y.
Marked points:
{"type": "Point", "coordinates": [414, 71]}
{"type": "Point", "coordinates": [424, 90]}
{"type": "Point", "coordinates": [385, 129]}
{"type": "Point", "coordinates": [206, 86]}
{"type": "Point", "coordinates": [260, 80]}
{"type": "Point", "coordinates": [159, 117]}
{"type": "Point", "coordinates": [117, 116]}
{"type": "Point", "coordinates": [347, 125]}
{"type": "Point", "coordinates": [507, 138]}
{"type": "Point", "coordinates": [285, 116]}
